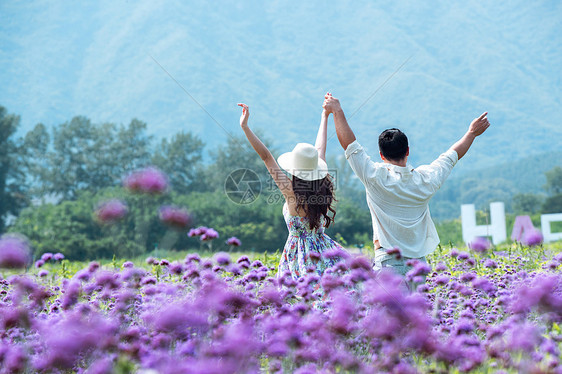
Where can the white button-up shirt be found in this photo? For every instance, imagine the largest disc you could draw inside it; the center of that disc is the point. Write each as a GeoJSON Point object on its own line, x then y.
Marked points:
{"type": "Point", "coordinates": [398, 199]}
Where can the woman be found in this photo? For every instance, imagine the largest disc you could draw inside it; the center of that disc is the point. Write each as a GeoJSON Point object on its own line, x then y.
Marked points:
{"type": "Point", "coordinates": [309, 194]}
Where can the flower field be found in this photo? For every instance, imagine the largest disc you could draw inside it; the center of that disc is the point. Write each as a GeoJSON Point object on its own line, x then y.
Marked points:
{"type": "Point", "coordinates": [478, 311]}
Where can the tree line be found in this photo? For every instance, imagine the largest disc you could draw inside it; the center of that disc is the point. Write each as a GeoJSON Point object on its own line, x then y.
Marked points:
{"type": "Point", "coordinates": [51, 180]}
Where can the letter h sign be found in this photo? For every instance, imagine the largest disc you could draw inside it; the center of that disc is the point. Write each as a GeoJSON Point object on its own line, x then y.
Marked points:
{"type": "Point", "coordinates": [496, 228]}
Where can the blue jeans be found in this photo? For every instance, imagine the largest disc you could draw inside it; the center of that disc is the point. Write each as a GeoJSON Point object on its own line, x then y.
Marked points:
{"type": "Point", "coordinates": [384, 260]}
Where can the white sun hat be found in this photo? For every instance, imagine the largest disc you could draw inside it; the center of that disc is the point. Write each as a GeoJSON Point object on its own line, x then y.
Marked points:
{"type": "Point", "coordinates": [303, 162]}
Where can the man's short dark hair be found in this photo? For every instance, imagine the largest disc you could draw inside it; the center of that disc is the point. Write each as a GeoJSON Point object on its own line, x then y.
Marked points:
{"type": "Point", "coordinates": [393, 144]}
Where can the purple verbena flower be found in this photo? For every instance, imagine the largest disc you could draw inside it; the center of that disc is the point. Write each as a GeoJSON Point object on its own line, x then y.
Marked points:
{"type": "Point", "coordinates": [101, 366]}
{"type": "Point", "coordinates": [464, 326]}
{"type": "Point", "coordinates": [107, 279]}
{"type": "Point", "coordinates": [395, 251]}
{"type": "Point", "coordinates": [315, 256]}
{"type": "Point", "coordinates": [175, 216]}
{"type": "Point", "coordinates": [532, 238]}
{"type": "Point", "coordinates": [484, 284]}
{"type": "Point", "coordinates": [234, 241]}
{"type": "Point", "coordinates": [14, 360]}
{"type": "Point", "coordinates": [197, 231]}
{"type": "Point", "coordinates": [192, 257]}
{"type": "Point", "coordinates": [83, 275]}
{"type": "Point", "coordinates": [359, 262]}
{"type": "Point", "coordinates": [210, 234]}
{"type": "Point", "coordinates": [523, 337]}
{"type": "Point", "coordinates": [14, 252]}
{"type": "Point", "coordinates": [441, 267]}
{"type": "Point", "coordinates": [111, 211]}
{"type": "Point", "coordinates": [164, 262]}
{"type": "Point", "coordinates": [176, 268]}
{"type": "Point", "coordinates": [222, 258]}
{"type": "Point", "coordinates": [46, 256]}
{"type": "Point", "coordinates": [441, 280]}
{"type": "Point", "coordinates": [480, 244]}
{"type": "Point", "coordinates": [463, 256]}
{"type": "Point", "coordinates": [336, 254]}
{"type": "Point", "coordinates": [419, 268]}
{"type": "Point", "coordinates": [71, 294]}
{"type": "Point", "coordinates": [467, 277]}
{"type": "Point", "coordinates": [422, 288]}
{"type": "Point", "coordinates": [149, 180]}
{"type": "Point", "coordinates": [542, 292]}
{"type": "Point", "coordinates": [93, 266]}
{"type": "Point", "coordinates": [489, 263]}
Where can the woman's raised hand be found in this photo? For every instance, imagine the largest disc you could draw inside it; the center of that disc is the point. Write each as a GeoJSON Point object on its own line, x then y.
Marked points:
{"type": "Point", "coordinates": [325, 113]}
{"type": "Point", "coordinates": [245, 115]}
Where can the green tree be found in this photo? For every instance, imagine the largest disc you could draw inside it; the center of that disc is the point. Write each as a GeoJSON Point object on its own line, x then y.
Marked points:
{"type": "Point", "coordinates": [132, 147]}
{"type": "Point", "coordinates": [116, 151]}
{"type": "Point", "coordinates": [259, 225]}
{"type": "Point", "coordinates": [70, 226]}
{"type": "Point", "coordinates": [86, 156]}
{"type": "Point", "coordinates": [237, 154]}
{"type": "Point", "coordinates": [180, 158]}
{"type": "Point", "coordinates": [74, 146]}
{"type": "Point", "coordinates": [527, 203]}
{"type": "Point", "coordinates": [12, 179]}
{"type": "Point", "coordinates": [450, 231]}
{"type": "Point", "coordinates": [482, 192]}
{"type": "Point", "coordinates": [346, 185]}
{"type": "Point", "coordinates": [553, 204]}
{"type": "Point", "coordinates": [554, 181]}
{"type": "Point", "coordinates": [36, 163]}
{"type": "Point", "coordinates": [352, 222]}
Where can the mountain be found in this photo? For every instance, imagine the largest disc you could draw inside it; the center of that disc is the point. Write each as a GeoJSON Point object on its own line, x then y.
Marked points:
{"type": "Point", "coordinates": [116, 60]}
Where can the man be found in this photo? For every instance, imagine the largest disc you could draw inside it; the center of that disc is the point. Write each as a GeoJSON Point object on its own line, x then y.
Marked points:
{"type": "Point", "coordinates": [397, 194]}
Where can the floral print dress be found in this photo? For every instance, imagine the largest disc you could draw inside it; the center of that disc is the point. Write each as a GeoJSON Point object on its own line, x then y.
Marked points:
{"type": "Point", "coordinates": [305, 248]}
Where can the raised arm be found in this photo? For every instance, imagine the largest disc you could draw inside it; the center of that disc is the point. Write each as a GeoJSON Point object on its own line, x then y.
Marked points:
{"type": "Point", "coordinates": [476, 128]}
{"type": "Point", "coordinates": [282, 181]}
{"type": "Point", "coordinates": [344, 132]}
{"type": "Point", "coordinates": [321, 138]}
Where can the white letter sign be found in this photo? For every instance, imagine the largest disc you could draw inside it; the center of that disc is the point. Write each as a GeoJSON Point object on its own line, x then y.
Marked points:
{"type": "Point", "coordinates": [548, 235]}
{"type": "Point", "coordinates": [522, 225]}
{"type": "Point", "coordinates": [496, 229]}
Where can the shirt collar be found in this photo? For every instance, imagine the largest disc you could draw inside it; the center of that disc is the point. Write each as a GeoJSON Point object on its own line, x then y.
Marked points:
{"type": "Point", "coordinates": [399, 169]}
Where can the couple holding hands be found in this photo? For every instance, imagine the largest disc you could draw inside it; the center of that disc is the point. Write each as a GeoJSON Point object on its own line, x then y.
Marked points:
{"type": "Point", "coordinates": [397, 194]}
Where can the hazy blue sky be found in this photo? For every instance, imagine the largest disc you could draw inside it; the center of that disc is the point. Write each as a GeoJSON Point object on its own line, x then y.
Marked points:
{"type": "Point", "coordinates": [63, 58]}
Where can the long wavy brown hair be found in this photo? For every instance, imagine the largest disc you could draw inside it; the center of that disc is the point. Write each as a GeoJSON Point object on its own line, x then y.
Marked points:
{"type": "Point", "coordinates": [315, 198]}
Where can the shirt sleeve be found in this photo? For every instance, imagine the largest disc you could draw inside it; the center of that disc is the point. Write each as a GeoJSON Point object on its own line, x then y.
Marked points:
{"type": "Point", "coordinates": [440, 169]}
{"type": "Point", "coordinates": [360, 162]}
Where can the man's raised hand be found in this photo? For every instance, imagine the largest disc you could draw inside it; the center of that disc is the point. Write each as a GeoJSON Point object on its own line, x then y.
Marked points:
{"type": "Point", "coordinates": [245, 115]}
{"type": "Point", "coordinates": [479, 125]}
{"type": "Point", "coordinates": [476, 128]}
{"type": "Point", "coordinates": [331, 104]}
